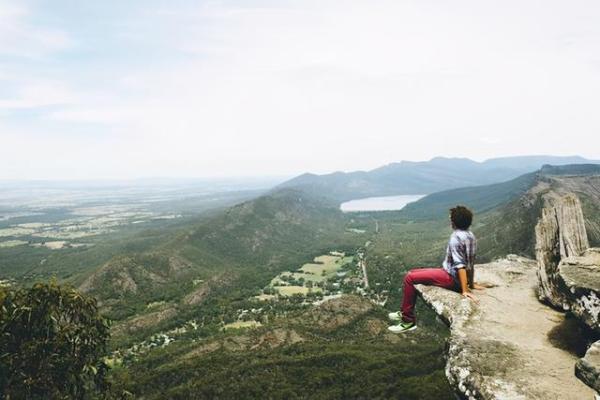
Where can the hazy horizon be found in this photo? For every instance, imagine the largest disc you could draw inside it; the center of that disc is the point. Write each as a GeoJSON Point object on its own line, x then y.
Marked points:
{"type": "Point", "coordinates": [223, 89]}
{"type": "Point", "coordinates": [256, 179]}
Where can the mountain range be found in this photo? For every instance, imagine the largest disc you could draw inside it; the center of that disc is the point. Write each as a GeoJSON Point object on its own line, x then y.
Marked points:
{"type": "Point", "coordinates": [424, 177]}
{"type": "Point", "coordinates": [506, 212]}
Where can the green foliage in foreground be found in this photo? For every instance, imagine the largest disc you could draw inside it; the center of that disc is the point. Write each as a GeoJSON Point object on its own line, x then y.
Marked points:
{"type": "Point", "coordinates": [51, 345]}
{"type": "Point", "coordinates": [330, 370]}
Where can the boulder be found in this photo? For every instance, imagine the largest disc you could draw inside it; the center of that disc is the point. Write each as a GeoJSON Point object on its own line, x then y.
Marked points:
{"type": "Point", "coordinates": [588, 368]}
{"type": "Point", "coordinates": [579, 279]}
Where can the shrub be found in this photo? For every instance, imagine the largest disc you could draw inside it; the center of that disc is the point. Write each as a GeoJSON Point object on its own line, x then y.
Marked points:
{"type": "Point", "coordinates": [52, 343]}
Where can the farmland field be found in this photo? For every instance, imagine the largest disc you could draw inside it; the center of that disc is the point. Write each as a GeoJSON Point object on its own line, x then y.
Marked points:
{"type": "Point", "coordinates": [12, 243]}
{"type": "Point", "coordinates": [325, 265]}
{"type": "Point", "coordinates": [281, 278]}
{"type": "Point", "coordinates": [54, 245]}
{"type": "Point", "coordinates": [292, 290]}
{"type": "Point", "coordinates": [16, 231]}
{"type": "Point", "coordinates": [265, 297]}
{"type": "Point", "coordinates": [242, 324]}
{"type": "Point", "coordinates": [62, 230]}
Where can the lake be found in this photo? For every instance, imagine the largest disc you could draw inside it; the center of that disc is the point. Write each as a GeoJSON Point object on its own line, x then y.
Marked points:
{"type": "Point", "coordinates": [385, 203]}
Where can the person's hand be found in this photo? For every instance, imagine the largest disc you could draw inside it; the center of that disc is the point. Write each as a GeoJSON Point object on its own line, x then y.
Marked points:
{"type": "Point", "coordinates": [471, 296]}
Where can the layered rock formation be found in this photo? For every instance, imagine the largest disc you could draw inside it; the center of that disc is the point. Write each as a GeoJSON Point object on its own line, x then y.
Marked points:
{"type": "Point", "coordinates": [569, 272]}
{"type": "Point", "coordinates": [579, 279]}
{"type": "Point", "coordinates": [559, 233]}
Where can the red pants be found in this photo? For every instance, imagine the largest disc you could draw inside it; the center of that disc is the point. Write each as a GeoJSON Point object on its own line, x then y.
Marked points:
{"type": "Point", "coordinates": [427, 276]}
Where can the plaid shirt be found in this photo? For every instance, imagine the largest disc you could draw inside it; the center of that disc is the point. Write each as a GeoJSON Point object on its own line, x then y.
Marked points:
{"type": "Point", "coordinates": [460, 253]}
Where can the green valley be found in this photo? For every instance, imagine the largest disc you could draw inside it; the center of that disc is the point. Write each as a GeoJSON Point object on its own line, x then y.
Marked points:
{"type": "Point", "coordinates": [282, 293]}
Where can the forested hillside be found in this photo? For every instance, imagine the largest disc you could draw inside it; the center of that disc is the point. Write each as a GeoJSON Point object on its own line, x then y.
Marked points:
{"type": "Point", "coordinates": [233, 254]}
{"type": "Point", "coordinates": [505, 213]}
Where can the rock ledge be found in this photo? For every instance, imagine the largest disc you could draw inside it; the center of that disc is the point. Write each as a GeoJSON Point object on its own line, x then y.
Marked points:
{"type": "Point", "coordinates": [499, 349]}
{"type": "Point", "coordinates": [579, 279]}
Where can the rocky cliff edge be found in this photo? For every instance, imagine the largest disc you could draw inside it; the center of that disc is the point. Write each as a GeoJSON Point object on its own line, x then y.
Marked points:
{"type": "Point", "coordinates": [502, 348]}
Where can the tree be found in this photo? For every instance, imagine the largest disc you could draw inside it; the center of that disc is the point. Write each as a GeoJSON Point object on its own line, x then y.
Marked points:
{"type": "Point", "coordinates": [52, 344]}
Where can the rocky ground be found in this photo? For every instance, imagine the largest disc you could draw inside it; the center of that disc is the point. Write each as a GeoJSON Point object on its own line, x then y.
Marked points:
{"type": "Point", "coordinates": [514, 344]}
{"type": "Point", "coordinates": [501, 348]}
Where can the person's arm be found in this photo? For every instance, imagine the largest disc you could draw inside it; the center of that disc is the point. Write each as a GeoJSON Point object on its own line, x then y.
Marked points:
{"type": "Point", "coordinates": [471, 277]}
{"type": "Point", "coordinates": [471, 280]}
{"type": "Point", "coordinates": [464, 284]}
{"type": "Point", "coordinates": [473, 255]}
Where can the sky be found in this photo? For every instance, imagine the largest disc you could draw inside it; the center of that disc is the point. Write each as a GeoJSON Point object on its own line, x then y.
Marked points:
{"type": "Point", "coordinates": [119, 89]}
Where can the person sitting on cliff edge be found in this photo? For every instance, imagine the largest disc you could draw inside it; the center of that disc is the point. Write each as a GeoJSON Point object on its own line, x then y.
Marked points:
{"type": "Point", "coordinates": [456, 273]}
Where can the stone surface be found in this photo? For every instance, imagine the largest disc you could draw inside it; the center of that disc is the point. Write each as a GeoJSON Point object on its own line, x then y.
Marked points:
{"type": "Point", "coordinates": [580, 280]}
{"type": "Point", "coordinates": [569, 272]}
{"type": "Point", "coordinates": [559, 233]}
{"type": "Point", "coordinates": [588, 368]}
{"type": "Point", "coordinates": [499, 348]}
{"type": "Point", "coordinates": [580, 285]}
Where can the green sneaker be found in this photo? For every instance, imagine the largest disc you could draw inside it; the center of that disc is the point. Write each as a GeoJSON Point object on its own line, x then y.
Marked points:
{"type": "Point", "coordinates": [403, 327]}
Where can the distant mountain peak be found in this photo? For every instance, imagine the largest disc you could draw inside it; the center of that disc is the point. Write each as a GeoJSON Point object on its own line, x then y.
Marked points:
{"type": "Point", "coordinates": [452, 159]}
{"type": "Point", "coordinates": [423, 177]}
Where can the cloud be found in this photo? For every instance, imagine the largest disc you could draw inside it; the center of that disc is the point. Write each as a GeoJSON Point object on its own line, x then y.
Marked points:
{"type": "Point", "coordinates": [490, 140]}
{"type": "Point", "coordinates": [39, 94]}
{"type": "Point", "coordinates": [262, 87]}
{"type": "Point", "coordinates": [25, 49]}
{"type": "Point", "coordinates": [20, 37]}
{"type": "Point", "coordinates": [89, 115]}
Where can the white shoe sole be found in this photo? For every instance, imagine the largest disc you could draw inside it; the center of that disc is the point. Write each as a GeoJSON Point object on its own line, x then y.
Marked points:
{"type": "Point", "coordinates": [406, 330]}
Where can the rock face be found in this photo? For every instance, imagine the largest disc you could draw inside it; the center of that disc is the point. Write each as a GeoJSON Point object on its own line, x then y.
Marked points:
{"type": "Point", "coordinates": [588, 368]}
{"type": "Point", "coordinates": [560, 233]}
{"type": "Point", "coordinates": [580, 284]}
{"type": "Point", "coordinates": [579, 279]}
{"type": "Point", "coordinates": [569, 272]}
{"type": "Point", "coordinates": [499, 349]}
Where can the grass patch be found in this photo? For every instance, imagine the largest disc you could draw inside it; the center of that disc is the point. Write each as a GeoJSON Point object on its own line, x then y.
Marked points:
{"type": "Point", "coordinates": [242, 325]}
{"type": "Point", "coordinates": [292, 290]}
{"type": "Point", "coordinates": [12, 243]}
{"type": "Point", "coordinates": [15, 231]}
{"type": "Point", "coordinates": [325, 265]}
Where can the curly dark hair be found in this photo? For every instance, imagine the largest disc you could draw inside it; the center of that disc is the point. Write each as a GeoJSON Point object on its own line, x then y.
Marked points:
{"type": "Point", "coordinates": [461, 217]}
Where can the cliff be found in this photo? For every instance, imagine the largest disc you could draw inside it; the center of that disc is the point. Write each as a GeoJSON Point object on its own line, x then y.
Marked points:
{"type": "Point", "coordinates": [502, 348]}
{"type": "Point", "coordinates": [569, 272]}
{"type": "Point", "coordinates": [499, 348]}
{"type": "Point", "coordinates": [579, 279]}
{"type": "Point", "coordinates": [559, 233]}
